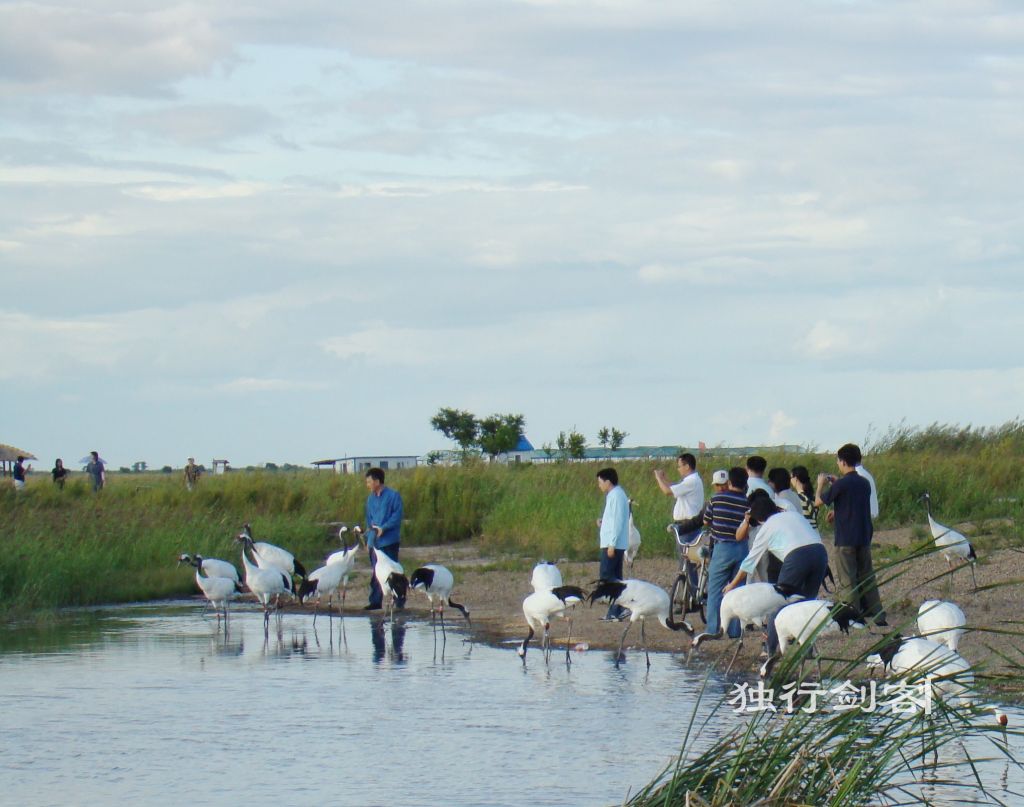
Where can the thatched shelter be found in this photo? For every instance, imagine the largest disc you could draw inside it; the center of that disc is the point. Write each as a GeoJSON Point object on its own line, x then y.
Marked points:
{"type": "Point", "coordinates": [9, 455]}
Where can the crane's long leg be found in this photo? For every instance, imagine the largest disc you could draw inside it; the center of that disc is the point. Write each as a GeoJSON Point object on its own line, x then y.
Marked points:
{"type": "Point", "coordinates": [974, 577]}
{"type": "Point", "coordinates": [643, 641]}
{"type": "Point", "coordinates": [568, 644]}
{"type": "Point", "coordinates": [622, 641]}
{"type": "Point", "coordinates": [739, 644]}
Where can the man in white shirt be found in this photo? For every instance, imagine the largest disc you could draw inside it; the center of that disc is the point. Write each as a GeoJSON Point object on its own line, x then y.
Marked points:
{"type": "Point", "coordinates": [755, 476]}
{"type": "Point", "coordinates": [614, 533]}
{"type": "Point", "coordinates": [689, 496]}
{"type": "Point", "coordinates": [862, 471]}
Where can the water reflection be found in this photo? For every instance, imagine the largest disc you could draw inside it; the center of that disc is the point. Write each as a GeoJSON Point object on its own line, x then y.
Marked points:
{"type": "Point", "coordinates": [305, 715]}
{"type": "Point", "coordinates": [394, 651]}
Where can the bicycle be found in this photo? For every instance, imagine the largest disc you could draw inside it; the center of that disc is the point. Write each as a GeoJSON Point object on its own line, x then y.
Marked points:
{"type": "Point", "coordinates": [685, 598]}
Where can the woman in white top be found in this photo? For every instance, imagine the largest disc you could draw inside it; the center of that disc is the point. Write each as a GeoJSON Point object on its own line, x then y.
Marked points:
{"type": "Point", "coordinates": [788, 537]}
{"type": "Point", "coordinates": [793, 541]}
{"type": "Point", "coordinates": [785, 497]}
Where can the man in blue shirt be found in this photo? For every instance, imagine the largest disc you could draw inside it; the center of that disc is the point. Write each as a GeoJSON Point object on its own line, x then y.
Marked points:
{"type": "Point", "coordinates": [850, 498]}
{"type": "Point", "coordinates": [383, 527]}
{"type": "Point", "coordinates": [614, 526]}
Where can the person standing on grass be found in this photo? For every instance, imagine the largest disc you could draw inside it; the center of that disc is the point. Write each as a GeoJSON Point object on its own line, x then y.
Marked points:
{"type": "Point", "coordinates": [689, 498]}
{"type": "Point", "coordinates": [19, 474]}
{"type": "Point", "coordinates": [191, 473]}
{"type": "Point", "coordinates": [785, 496]}
{"type": "Point", "coordinates": [850, 499]}
{"type": "Point", "coordinates": [800, 481]}
{"type": "Point", "coordinates": [755, 476]}
{"type": "Point", "coordinates": [724, 514]}
{"type": "Point", "coordinates": [614, 528]}
{"type": "Point", "coordinates": [862, 471]}
{"type": "Point", "coordinates": [384, 510]}
{"type": "Point", "coordinates": [59, 473]}
{"type": "Point", "coordinates": [97, 471]}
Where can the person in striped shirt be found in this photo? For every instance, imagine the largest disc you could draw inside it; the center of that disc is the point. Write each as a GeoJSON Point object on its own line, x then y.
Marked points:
{"type": "Point", "coordinates": [724, 513]}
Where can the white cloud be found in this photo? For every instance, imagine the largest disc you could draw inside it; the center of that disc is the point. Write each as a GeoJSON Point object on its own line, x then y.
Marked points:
{"type": "Point", "coordinates": [782, 426]}
{"type": "Point", "coordinates": [247, 386]}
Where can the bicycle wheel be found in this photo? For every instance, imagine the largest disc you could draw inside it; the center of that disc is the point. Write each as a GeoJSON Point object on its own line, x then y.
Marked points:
{"type": "Point", "coordinates": [702, 593]}
{"type": "Point", "coordinates": [682, 595]}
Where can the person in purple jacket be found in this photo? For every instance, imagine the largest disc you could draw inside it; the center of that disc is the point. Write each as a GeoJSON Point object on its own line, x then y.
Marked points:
{"type": "Point", "coordinates": [383, 529]}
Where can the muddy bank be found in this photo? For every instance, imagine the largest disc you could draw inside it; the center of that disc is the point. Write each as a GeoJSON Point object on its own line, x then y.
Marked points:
{"type": "Point", "coordinates": [493, 589]}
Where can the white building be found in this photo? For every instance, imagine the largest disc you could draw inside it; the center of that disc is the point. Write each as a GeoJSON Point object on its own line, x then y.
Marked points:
{"type": "Point", "coordinates": [360, 465]}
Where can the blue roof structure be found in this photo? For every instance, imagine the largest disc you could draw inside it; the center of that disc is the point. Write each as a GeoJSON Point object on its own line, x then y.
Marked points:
{"type": "Point", "coordinates": [523, 444]}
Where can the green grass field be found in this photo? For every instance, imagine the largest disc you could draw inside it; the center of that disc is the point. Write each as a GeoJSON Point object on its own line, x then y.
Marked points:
{"type": "Point", "coordinates": [74, 547]}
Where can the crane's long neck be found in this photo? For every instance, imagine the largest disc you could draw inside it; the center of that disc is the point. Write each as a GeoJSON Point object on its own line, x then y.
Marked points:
{"type": "Point", "coordinates": [249, 566]}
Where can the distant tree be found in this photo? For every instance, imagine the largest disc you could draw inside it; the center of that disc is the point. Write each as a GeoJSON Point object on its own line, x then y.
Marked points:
{"type": "Point", "coordinates": [572, 446]}
{"type": "Point", "coordinates": [611, 438]}
{"type": "Point", "coordinates": [124, 469]}
{"type": "Point", "coordinates": [433, 457]}
{"type": "Point", "coordinates": [271, 466]}
{"type": "Point", "coordinates": [457, 425]}
{"type": "Point", "coordinates": [499, 434]}
{"type": "Point", "coordinates": [548, 450]}
{"type": "Point", "coordinates": [167, 469]}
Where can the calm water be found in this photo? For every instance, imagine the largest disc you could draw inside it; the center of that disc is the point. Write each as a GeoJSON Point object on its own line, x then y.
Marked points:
{"type": "Point", "coordinates": [149, 704]}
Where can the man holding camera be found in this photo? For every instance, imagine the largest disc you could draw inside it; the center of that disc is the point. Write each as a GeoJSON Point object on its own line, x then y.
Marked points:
{"type": "Point", "coordinates": [850, 497]}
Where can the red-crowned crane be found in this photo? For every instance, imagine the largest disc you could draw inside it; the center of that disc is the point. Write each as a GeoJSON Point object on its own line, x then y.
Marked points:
{"type": "Point", "coordinates": [543, 606]}
{"type": "Point", "coordinates": [643, 600]}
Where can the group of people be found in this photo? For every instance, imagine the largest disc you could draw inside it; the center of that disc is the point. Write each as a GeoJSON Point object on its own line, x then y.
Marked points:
{"type": "Point", "coordinates": [95, 469]}
{"type": "Point", "coordinates": [761, 522]}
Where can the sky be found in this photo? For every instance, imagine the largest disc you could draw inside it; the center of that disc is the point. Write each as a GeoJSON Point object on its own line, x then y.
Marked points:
{"type": "Point", "coordinates": [286, 231]}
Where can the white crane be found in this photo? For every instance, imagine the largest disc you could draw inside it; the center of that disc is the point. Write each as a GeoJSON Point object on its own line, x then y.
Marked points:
{"type": "Point", "coordinates": [941, 622]}
{"type": "Point", "coordinates": [807, 620]}
{"type": "Point", "coordinates": [643, 600]}
{"type": "Point", "coordinates": [752, 604]}
{"type": "Point", "coordinates": [267, 555]}
{"type": "Point", "coordinates": [947, 673]}
{"type": "Point", "coordinates": [332, 576]}
{"type": "Point", "coordinates": [543, 606]}
{"type": "Point", "coordinates": [394, 585]}
{"type": "Point", "coordinates": [953, 545]}
{"type": "Point", "coordinates": [545, 576]}
{"type": "Point", "coordinates": [211, 567]}
{"type": "Point", "coordinates": [266, 584]}
{"type": "Point", "coordinates": [217, 590]}
{"type": "Point", "coordinates": [437, 583]}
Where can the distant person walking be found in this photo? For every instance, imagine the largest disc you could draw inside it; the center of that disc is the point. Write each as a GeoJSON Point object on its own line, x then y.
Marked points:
{"type": "Point", "coordinates": [191, 473]}
{"type": "Point", "coordinates": [689, 498]}
{"type": "Point", "coordinates": [614, 527]}
{"type": "Point", "coordinates": [850, 498]}
{"type": "Point", "coordinates": [97, 471]}
{"type": "Point", "coordinates": [384, 510]}
{"type": "Point", "coordinates": [19, 474]}
{"type": "Point", "coordinates": [59, 473]}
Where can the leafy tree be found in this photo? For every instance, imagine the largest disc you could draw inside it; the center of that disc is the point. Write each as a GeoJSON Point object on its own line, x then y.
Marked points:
{"type": "Point", "coordinates": [457, 425]}
{"type": "Point", "coordinates": [611, 438]}
{"type": "Point", "coordinates": [499, 434]}
{"type": "Point", "coordinates": [433, 457]}
{"type": "Point", "coordinates": [271, 466]}
{"type": "Point", "coordinates": [573, 445]}
{"type": "Point", "coordinates": [167, 469]}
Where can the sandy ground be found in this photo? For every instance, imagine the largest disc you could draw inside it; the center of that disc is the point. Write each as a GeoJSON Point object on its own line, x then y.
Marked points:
{"type": "Point", "coordinates": [494, 599]}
